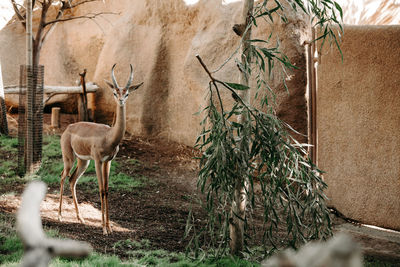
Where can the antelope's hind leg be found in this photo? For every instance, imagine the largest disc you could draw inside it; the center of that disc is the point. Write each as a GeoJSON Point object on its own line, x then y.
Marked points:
{"type": "Point", "coordinates": [81, 167]}
{"type": "Point", "coordinates": [68, 163]}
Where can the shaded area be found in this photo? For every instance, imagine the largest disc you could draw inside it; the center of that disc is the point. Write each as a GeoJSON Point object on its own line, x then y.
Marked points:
{"type": "Point", "coordinates": [155, 109]}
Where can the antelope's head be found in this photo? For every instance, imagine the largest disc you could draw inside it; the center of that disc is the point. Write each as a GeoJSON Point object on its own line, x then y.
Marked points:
{"type": "Point", "coordinates": [121, 93]}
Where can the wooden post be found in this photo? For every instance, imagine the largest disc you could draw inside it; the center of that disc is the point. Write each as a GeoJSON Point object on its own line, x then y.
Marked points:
{"type": "Point", "coordinates": [3, 113]}
{"type": "Point", "coordinates": [83, 96]}
{"type": "Point", "coordinates": [55, 117]}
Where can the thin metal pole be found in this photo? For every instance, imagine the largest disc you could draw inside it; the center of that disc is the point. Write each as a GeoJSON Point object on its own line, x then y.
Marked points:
{"type": "Point", "coordinates": [312, 99]}
{"type": "Point", "coordinates": [314, 85]}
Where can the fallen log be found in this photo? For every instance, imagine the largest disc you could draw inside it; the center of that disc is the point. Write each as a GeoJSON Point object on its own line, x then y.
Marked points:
{"type": "Point", "coordinates": [49, 89]}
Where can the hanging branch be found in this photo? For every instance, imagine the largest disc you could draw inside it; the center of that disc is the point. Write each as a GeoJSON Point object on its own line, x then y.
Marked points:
{"type": "Point", "coordinates": [257, 156]}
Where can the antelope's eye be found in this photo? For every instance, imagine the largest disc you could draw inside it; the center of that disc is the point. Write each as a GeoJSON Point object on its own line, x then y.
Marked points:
{"type": "Point", "coordinates": [115, 94]}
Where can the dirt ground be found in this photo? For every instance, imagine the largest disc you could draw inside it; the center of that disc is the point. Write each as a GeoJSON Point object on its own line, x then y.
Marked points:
{"type": "Point", "coordinates": [156, 212]}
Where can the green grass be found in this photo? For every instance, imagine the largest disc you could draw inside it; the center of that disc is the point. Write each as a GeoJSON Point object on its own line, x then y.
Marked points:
{"type": "Point", "coordinates": [52, 166]}
{"type": "Point", "coordinates": [8, 167]}
{"type": "Point", "coordinates": [8, 144]}
{"type": "Point", "coordinates": [118, 182]}
{"type": "Point", "coordinates": [140, 253]}
{"type": "Point", "coordinates": [371, 262]}
{"type": "Point", "coordinates": [10, 245]}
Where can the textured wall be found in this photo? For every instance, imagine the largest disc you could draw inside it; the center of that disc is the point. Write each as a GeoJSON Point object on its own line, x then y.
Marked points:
{"type": "Point", "coordinates": [160, 39]}
{"type": "Point", "coordinates": [359, 124]}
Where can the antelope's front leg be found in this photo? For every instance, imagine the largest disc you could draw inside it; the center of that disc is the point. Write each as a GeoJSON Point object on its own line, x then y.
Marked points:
{"type": "Point", "coordinates": [99, 174]}
{"type": "Point", "coordinates": [106, 175]}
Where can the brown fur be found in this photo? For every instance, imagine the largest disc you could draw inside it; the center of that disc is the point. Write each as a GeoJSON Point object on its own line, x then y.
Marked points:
{"type": "Point", "coordinates": [85, 141]}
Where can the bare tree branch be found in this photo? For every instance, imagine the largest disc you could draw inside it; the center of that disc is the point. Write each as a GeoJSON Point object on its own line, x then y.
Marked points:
{"type": "Point", "coordinates": [83, 2]}
{"type": "Point", "coordinates": [88, 16]}
{"type": "Point", "coordinates": [18, 13]}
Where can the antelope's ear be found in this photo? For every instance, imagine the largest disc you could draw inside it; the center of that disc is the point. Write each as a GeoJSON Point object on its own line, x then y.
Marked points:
{"type": "Point", "coordinates": [135, 87]}
{"type": "Point", "coordinates": [110, 84]}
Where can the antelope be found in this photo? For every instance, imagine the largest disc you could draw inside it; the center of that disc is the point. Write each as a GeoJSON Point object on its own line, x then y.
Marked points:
{"type": "Point", "coordinates": [85, 141]}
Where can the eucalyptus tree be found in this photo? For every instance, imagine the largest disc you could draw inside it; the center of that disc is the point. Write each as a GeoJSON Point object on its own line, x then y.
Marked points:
{"type": "Point", "coordinates": [250, 161]}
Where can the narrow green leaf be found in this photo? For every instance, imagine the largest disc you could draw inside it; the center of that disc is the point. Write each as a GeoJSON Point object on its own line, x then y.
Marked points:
{"type": "Point", "coordinates": [339, 8]}
{"type": "Point", "coordinates": [237, 86]}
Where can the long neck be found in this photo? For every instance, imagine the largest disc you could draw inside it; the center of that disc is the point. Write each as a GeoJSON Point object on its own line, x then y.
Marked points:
{"type": "Point", "coordinates": [118, 130]}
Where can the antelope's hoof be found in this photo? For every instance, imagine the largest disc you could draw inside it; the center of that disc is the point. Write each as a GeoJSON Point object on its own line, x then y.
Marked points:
{"type": "Point", "coordinates": [105, 231]}
{"type": "Point", "coordinates": [109, 229]}
{"type": "Point", "coordinates": [60, 219]}
{"type": "Point", "coordinates": [81, 220]}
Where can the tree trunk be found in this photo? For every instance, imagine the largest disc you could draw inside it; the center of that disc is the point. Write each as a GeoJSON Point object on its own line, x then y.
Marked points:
{"type": "Point", "coordinates": [29, 104]}
{"type": "Point", "coordinates": [238, 209]}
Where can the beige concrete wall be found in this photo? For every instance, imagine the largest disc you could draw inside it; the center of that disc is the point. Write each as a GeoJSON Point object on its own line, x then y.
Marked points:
{"type": "Point", "coordinates": [359, 124]}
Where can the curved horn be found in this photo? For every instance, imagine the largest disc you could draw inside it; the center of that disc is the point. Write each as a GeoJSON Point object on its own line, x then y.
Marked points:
{"type": "Point", "coordinates": [113, 77]}
{"type": "Point", "coordinates": [130, 78]}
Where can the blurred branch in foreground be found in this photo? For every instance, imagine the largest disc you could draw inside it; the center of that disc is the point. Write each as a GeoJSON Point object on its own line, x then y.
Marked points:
{"type": "Point", "coordinates": [340, 250]}
{"type": "Point", "coordinates": [39, 249]}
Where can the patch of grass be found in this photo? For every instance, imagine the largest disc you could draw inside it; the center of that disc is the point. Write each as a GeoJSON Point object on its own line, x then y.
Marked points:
{"type": "Point", "coordinates": [52, 166]}
{"type": "Point", "coordinates": [8, 144]}
{"type": "Point", "coordinates": [51, 147]}
{"type": "Point", "coordinates": [8, 168]}
{"type": "Point", "coordinates": [129, 244]}
{"type": "Point", "coordinates": [10, 245]}
{"type": "Point", "coordinates": [118, 182]}
{"type": "Point", "coordinates": [123, 182]}
{"type": "Point", "coordinates": [371, 262]}
{"type": "Point", "coordinates": [165, 258]}
{"type": "Point", "coordinates": [133, 163]}
{"type": "Point", "coordinates": [140, 253]}
{"type": "Point", "coordinates": [9, 164]}
{"type": "Point", "coordinates": [94, 259]}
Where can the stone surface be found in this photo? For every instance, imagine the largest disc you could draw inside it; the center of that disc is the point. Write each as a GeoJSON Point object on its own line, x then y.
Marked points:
{"type": "Point", "coordinates": [160, 39]}
{"type": "Point", "coordinates": [375, 242]}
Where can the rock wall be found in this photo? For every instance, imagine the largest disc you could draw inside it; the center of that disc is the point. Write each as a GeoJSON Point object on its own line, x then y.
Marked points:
{"type": "Point", "coordinates": [160, 39]}
{"type": "Point", "coordinates": [358, 124]}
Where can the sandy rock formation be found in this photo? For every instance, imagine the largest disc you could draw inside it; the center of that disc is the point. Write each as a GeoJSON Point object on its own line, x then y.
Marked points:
{"type": "Point", "coordinates": [160, 39]}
